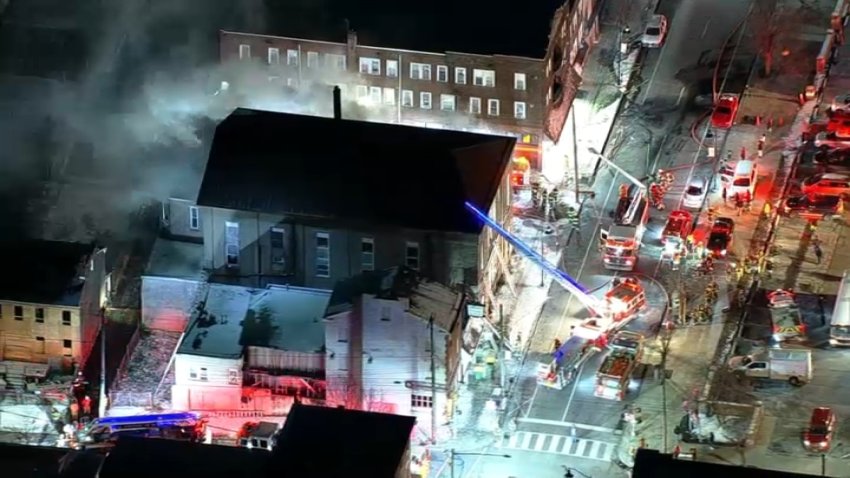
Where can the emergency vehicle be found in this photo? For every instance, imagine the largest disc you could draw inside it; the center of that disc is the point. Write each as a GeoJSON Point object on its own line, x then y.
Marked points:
{"type": "Point", "coordinates": [262, 435]}
{"type": "Point", "coordinates": [187, 426]}
{"type": "Point", "coordinates": [621, 241]}
{"type": "Point", "coordinates": [675, 233]}
{"type": "Point", "coordinates": [622, 302]}
{"type": "Point", "coordinates": [614, 375]}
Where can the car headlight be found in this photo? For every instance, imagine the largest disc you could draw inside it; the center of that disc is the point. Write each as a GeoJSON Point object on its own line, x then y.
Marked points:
{"type": "Point", "coordinates": [807, 443]}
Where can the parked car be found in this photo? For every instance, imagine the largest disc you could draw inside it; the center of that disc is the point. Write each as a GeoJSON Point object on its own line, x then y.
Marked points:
{"type": "Point", "coordinates": [694, 194]}
{"type": "Point", "coordinates": [840, 103]}
{"type": "Point", "coordinates": [725, 111]}
{"type": "Point", "coordinates": [726, 172]}
{"type": "Point", "coordinates": [839, 124]}
{"type": "Point", "coordinates": [827, 140]}
{"type": "Point", "coordinates": [813, 205]}
{"type": "Point", "coordinates": [824, 156]}
{"type": "Point", "coordinates": [780, 298]}
{"type": "Point", "coordinates": [828, 184]}
{"type": "Point", "coordinates": [655, 32]}
{"type": "Point", "coordinates": [817, 438]}
{"type": "Point", "coordinates": [720, 237]}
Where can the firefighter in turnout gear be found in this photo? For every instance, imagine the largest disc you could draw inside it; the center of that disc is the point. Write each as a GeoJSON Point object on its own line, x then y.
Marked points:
{"type": "Point", "coordinates": [656, 196]}
{"type": "Point", "coordinates": [552, 200]}
{"type": "Point", "coordinates": [536, 199]}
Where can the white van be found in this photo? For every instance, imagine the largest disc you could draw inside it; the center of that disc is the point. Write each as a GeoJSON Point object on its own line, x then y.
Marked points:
{"type": "Point", "coordinates": [744, 179]}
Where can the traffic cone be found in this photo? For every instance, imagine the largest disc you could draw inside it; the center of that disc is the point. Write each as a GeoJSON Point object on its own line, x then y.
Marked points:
{"type": "Point", "coordinates": [758, 120]}
{"type": "Point", "coordinates": [781, 121]}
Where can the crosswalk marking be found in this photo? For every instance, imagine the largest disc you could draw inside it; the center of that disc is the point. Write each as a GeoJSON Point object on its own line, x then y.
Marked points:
{"type": "Point", "coordinates": [560, 445]}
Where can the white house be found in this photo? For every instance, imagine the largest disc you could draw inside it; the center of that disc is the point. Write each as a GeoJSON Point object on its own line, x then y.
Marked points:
{"type": "Point", "coordinates": [244, 347]}
{"type": "Point", "coordinates": [381, 330]}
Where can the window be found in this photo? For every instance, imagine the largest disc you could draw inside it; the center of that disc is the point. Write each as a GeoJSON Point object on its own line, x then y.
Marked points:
{"type": "Point", "coordinates": [483, 77]}
{"type": "Point", "coordinates": [233, 376]}
{"type": "Point", "coordinates": [519, 81]}
{"type": "Point", "coordinates": [244, 52]}
{"type": "Point", "coordinates": [312, 59]}
{"type": "Point", "coordinates": [274, 56]}
{"type": "Point", "coordinates": [442, 73]}
{"type": "Point", "coordinates": [194, 218]}
{"type": "Point", "coordinates": [411, 255]}
{"type": "Point", "coordinates": [367, 254]}
{"type": "Point", "coordinates": [460, 76]}
{"type": "Point", "coordinates": [231, 243]}
{"type": "Point", "coordinates": [19, 312]}
{"type": "Point", "coordinates": [519, 109]}
{"type": "Point", "coordinates": [66, 317]}
{"type": "Point", "coordinates": [375, 94]}
{"type": "Point", "coordinates": [493, 107]}
{"type": "Point", "coordinates": [362, 92]}
{"type": "Point", "coordinates": [447, 102]}
{"type": "Point", "coordinates": [40, 339]}
{"type": "Point", "coordinates": [323, 254]}
{"type": "Point", "coordinates": [336, 62]}
{"type": "Point", "coordinates": [407, 98]}
{"type": "Point", "coordinates": [392, 68]}
{"type": "Point", "coordinates": [475, 106]}
{"type": "Point", "coordinates": [425, 100]}
{"type": "Point", "coordinates": [292, 57]}
{"type": "Point", "coordinates": [276, 237]}
{"type": "Point", "coordinates": [389, 96]}
{"type": "Point", "coordinates": [193, 374]}
{"type": "Point", "coordinates": [421, 401]}
{"type": "Point", "coordinates": [420, 71]}
{"type": "Point", "coordinates": [370, 66]}
{"type": "Point", "coordinates": [203, 375]}
{"type": "Point", "coordinates": [66, 344]}
{"type": "Point", "coordinates": [39, 315]}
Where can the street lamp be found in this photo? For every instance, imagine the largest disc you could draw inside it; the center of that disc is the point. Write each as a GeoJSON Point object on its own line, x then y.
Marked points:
{"type": "Point", "coordinates": [453, 454]}
{"type": "Point", "coordinates": [568, 472]}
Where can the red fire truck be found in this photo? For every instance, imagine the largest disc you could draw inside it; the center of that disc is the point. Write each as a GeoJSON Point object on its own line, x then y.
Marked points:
{"type": "Point", "coordinates": [615, 373]}
{"type": "Point", "coordinates": [675, 233]}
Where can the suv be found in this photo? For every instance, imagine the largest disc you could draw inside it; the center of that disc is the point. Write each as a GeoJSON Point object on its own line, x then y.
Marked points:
{"type": "Point", "coordinates": [827, 140]}
{"type": "Point", "coordinates": [817, 438]}
{"type": "Point", "coordinates": [829, 184]}
{"type": "Point", "coordinates": [813, 205]}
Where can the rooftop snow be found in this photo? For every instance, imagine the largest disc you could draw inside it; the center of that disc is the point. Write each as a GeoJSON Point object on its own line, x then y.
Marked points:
{"type": "Point", "coordinates": [295, 315]}
{"type": "Point", "coordinates": [215, 330]}
{"type": "Point", "coordinates": [178, 259]}
{"type": "Point", "coordinates": [283, 318]}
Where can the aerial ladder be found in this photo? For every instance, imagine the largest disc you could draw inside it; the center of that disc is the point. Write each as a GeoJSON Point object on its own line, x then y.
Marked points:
{"type": "Point", "coordinates": [621, 241]}
{"type": "Point", "coordinates": [620, 305]}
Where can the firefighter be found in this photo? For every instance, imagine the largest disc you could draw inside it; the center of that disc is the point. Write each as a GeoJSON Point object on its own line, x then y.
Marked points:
{"type": "Point", "coordinates": [624, 191]}
{"type": "Point", "coordinates": [556, 344]}
{"type": "Point", "coordinates": [535, 194]}
{"type": "Point", "coordinates": [712, 214]}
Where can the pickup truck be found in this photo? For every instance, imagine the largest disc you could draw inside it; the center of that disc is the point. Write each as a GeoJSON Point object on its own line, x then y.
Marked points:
{"type": "Point", "coordinates": [791, 365]}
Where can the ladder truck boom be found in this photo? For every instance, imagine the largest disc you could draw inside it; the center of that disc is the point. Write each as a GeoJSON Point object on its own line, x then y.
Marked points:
{"type": "Point", "coordinates": [562, 278]}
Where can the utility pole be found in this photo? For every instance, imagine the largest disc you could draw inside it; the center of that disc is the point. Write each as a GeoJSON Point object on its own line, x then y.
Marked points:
{"type": "Point", "coordinates": [503, 349]}
{"type": "Point", "coordinates": [452, 463]}
{"type": "Point", "coordinates": [665, 348]}
{"type": "Point", "coordinates": [101, 403]}
{"type": "Point", "coordinates": [433, 383]}
{"type": "Point", "coordinates": [575, 155]}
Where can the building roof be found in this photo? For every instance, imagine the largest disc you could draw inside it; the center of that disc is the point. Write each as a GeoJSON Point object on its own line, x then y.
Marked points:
{"type": "Point", "coordinates": [391, 24]}
{"type": "Point", "coordinates": [654, 464]}
{"type": "Point", "coordinates": [383, 174]}
{"type": "Point", "coordinates": [235, 317]}
{"type": "Point", "coordinates": [295, 319]}
{"type": "Point", "coordinates": [326, 442]}
{"type": "Point", "coordinates": [173, 458]}
{"type": "Point", "coordinates": [43, 272]}
{"type": "Point", "coordinates": [427, 298]}
{"type": "Point", "coordinates": [177, 259]}
{"type": "Point", "coordinates": [215, 329]}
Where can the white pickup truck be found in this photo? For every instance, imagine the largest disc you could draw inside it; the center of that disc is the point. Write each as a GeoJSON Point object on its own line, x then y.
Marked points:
{"type": "Point", "coordinates": [791, 365]}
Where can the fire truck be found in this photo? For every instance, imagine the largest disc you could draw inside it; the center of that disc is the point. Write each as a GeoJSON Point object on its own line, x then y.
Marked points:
{"type": "Point", "coordinates": [622, 302]}
{"type": "Point", "coordinates": [676, 231]}
{"type": "Point", "coordinates": [621, 241]}
{"type": "Point", "coordinates": [615, 373]}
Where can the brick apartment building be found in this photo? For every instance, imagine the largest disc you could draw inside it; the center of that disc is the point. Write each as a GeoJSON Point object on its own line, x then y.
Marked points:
{"type": "Point", "coordinates": [490, 78]}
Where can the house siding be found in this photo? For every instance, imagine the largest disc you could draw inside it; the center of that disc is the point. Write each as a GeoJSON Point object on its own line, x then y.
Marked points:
{"type": "Point", "coordinates": [167, 302]}
{"type": "Point", "coordinates": [177, 218]}
{"type": "Point", "coordinates": [222, 389]}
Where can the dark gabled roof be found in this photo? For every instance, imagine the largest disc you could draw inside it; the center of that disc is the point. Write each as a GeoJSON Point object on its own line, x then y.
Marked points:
{"type": "Point", "coordinates": [471, 26]}
{"type": "Point", "coordinates": [172, 458]}
{"type": "Point", "coordinates": [323, 442]}
{"type": "Point", "coordinates": [22, 461]}
{"type": "Point", "coordinates": [43, 272]}
{"type": "Point", "coordinates": [654, 464]}
{"type": "Point", "coordinates": [381, 174]}
{"type": "Point", "coordinates": [389, 284]}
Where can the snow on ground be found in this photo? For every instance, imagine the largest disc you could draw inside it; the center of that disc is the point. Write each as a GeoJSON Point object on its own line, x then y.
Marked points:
{"type": "Point", "coordinates": [725, 429]}
{"type": "Point", "coordinates": [27, 424]}
{"type": "Point", "coordinates": [146, 368]}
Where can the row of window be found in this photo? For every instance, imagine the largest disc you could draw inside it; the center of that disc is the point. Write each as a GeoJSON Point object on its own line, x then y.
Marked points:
{"type": "Point", "coordinates": [66, 343]}
{"type": "Point", "coordinates": [322, 247]}
{"type": "Point", "coordinates": [372, 66]}
{"type": "Point", "coordinates": [387, 96]}
{"type": "Point", "coordinates": [201, 374]}
{"type": "Point", "coordinates": [38, 314]}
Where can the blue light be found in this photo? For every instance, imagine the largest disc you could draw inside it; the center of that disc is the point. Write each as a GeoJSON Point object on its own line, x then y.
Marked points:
{"type": "Point", "coordinates": [158, 418]}
{"type": "Point", "coordinates": [560, 276]}
{"type": "Point", "coordinates": [571, 345]}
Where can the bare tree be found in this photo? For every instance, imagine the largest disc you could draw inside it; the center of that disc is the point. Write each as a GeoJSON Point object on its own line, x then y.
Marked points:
{"type": "Point", "coordinates": [773, 31]}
